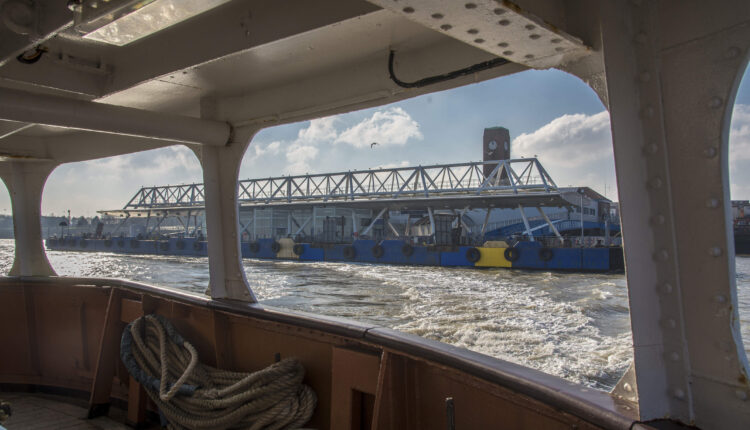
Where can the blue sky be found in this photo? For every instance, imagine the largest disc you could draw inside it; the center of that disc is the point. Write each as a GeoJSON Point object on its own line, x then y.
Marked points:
{"type": "Point", "coordinates": [549, 113]}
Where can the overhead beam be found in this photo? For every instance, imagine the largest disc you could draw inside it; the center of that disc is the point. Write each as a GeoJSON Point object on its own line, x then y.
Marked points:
{"type": "Point", "coordinates": [64, 112]}
{"type": "Point", "coordinates": [256, 23]}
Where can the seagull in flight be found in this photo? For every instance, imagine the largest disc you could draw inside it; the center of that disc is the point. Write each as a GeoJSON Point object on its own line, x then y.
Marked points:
{"type": "Point", "coordinates": [372, 145]}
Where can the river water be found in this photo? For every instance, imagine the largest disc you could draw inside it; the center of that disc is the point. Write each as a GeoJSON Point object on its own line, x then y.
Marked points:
{"type": "Point", "coordinates": [576, 326]}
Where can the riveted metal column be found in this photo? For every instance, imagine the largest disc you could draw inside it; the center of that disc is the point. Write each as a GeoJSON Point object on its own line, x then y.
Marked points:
{"type": "Point", "coordinates": [669, 102]}
{"type": "Point", "coordinates": [221, 166]}
{"type": "Point", "coordinates": [699, 80]}
{"type": "Point", "coordinates": [25, 181]}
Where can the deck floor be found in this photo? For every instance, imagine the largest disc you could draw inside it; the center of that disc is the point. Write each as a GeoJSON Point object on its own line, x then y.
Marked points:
{"type": "Point", "coordinates": [40, 411]}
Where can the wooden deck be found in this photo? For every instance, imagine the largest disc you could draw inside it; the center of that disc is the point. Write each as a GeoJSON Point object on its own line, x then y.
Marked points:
{"type": "Point", "coordinates": [40, 411]}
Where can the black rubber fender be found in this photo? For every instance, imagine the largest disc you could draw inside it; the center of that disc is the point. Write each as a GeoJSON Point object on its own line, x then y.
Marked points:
{"type": "Point", "coordinates": [546, 254]}
{"type": "Point", "coordinates": [197, 246]}
{"type": "Point", "coordinates": [108, 243]}
{"type": "Point", "coordinates": [254, 247]}
{"type": "Point", "coordinates": [512, 254]}
{"type": "Point", "coordinates": [473, 255]}
{"type": "Point", "coordinates": [134, 243]}
{"type": "Point", "coordinates": [350, 252]}
{"type": "Point", "coordinates": [407, 250]}
{"type": "Point", "coordinates": [121, 243]}
{"type": "Point", "coordinates": [164, 246]}
{"type": "Point", "coordinates": [275, 247]}
{"type": "Point", "coordinates": [180, 244]}
{"type": "Point", "coordinates": [378, 251]}
{"type": "Point", "coordinates": [298, 249]}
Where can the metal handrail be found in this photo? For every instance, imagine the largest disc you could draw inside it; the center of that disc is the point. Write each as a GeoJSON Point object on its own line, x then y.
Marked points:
{"type": "Point", "coordinates": [515, 176]}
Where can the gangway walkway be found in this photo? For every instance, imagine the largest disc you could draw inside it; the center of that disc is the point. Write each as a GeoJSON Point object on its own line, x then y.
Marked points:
{"type": "Point", "coordinates": [513, 182]}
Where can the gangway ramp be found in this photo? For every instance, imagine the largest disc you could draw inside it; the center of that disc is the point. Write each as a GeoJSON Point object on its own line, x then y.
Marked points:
{"type": "Point", "coordinates": [511, 183]}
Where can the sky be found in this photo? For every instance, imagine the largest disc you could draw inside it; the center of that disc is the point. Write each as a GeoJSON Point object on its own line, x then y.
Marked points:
{"type": "Point", "coordinates": [550, 114]}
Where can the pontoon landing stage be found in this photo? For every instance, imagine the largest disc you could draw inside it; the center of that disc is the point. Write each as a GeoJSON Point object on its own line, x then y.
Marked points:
{"type": "Point", "coordinates": [450, 186]}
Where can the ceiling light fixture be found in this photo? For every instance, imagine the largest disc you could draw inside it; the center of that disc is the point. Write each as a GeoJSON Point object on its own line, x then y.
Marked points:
{"type": "Point", "coordinates": [120, 22]}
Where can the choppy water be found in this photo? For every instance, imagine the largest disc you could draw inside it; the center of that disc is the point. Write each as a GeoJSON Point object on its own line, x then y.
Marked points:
{"type": "Point", "coordinates": [575, 326]}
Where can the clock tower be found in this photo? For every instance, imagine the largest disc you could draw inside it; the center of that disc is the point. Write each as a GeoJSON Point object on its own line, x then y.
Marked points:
{"type": "Point", "coordinates": [496, 146]}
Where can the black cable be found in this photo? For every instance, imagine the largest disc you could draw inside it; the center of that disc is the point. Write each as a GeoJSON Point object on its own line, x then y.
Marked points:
{"type": "Point", "coordinates": [485, 65]}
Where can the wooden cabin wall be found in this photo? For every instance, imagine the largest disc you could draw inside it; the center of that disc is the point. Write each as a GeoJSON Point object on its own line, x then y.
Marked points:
{"type": "Point", "coordinates": [52, 335]}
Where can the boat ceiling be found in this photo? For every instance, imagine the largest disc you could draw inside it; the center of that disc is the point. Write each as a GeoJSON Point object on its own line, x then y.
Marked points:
{"type": "Point", "coordinates": [247, 63]}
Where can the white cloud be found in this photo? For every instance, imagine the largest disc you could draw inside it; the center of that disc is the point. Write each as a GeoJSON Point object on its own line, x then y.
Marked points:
{"type": "Point", "coordinates": [320, 130]}
{"type": "Point", "coordinates": [315, 148]}
{"type": "Point", "coordinates": [569, 141]}
{"type": "Point", "coordinates": [389, 127]}
{"type": "Point", "coordinates": [575, 150]}
{"type": "Point", "coordinates": [299, 158]}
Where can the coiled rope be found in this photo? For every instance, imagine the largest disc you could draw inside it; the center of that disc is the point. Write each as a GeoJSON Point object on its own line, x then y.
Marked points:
{"type": "Point", "coordinates": [192, 395]}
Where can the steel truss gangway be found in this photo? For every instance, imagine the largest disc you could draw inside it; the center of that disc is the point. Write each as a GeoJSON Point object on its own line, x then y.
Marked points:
{"type": "Point", "coordinates": [511, 183]}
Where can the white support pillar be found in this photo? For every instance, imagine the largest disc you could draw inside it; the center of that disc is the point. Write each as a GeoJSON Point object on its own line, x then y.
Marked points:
{"type": "Point", "coordinates": [25, 181]}
{"type": "Point", "coordinates": [255, 223]}
{"type": "Point", "coordinates": [671, 80]}
{"type": "Point", "coordinates": [486, 220]}
{"type": "Point", "coordinates": [549, 223]}
{"type": "Point", "coordinates": [526, 223]}
{"type": "Point", "coordinates": [372, 222]}
{"type": "Point", "coordinates": [355, 228]}
{"type": "Point", "coordinates": [432, 222]}
{"type": "Point", "coordinates": [302, 227]}
{"type": "Point", "coordinates": [220, 176]}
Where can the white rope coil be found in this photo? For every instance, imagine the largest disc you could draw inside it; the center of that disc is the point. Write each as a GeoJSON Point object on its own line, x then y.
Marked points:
{"type": "Point", "coordinates": [192, 395]}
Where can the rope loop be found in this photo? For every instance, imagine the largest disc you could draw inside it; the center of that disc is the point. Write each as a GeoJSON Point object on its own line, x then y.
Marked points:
{"type": "Point", "coordinates": [193, 395]}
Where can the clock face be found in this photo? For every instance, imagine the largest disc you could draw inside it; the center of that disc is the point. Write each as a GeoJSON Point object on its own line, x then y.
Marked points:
{"type": "Point", "coordinates": [492, 145]}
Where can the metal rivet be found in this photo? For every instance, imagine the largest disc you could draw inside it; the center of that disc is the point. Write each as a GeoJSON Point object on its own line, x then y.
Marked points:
{"type": "Point", "coordinates": [507, 52]}
{"type": "Point", "coordinates": [667, 288]}
{"type": "Point", "coordinates": [712, 203]}
{"type": "Point", "coordinates": [534, 36]}
{"type": "Point", "coordinates": [470, 6]}
{"type": "Point", "coordinates": [472, 31]}
{"type": "Point", "coordinates": [732, 52]}
{"type": "Point", "coordinates": [715, 102]}
{"type": "Point", "coordinates": [529, 56]}
{"type": "Point", "coordinates": [678, 393]}
{"type": "Point", "coordinates": [641, 38]}
{"type": "Point", "coordinates": [503, 22]}
{"type": "Point", "coordinates": [438, 15]}
{"type": "Point", "coordinates": [658, 219]}
{"type": "Point", "coordinates": [671, 323]}
{"type": "Point", "coordinates": [710, 152]}
{"type": "Point", "coordinates": [655, 183]}
{"type": "Point", "coordinates": [478, 40]}
{"type": "Point", "coordinates": [446, 27]}
{"type": "Point", "coordinates": [649, 111]}
{"type": "Point", "coordinates": [555, 40]}
{"type": "Point", "coordinates": [502, 45]}
{"type": "Point", "coordinates": [650, 148]}
{"type": "Point", "coordinates": [644, 76]}
{"type": "Point", "coordinates": [408, 9]}
{"type": "Point", "coordinates": [627, 387]}
{"type": "Point", "coordinates": [499, 11]}
{"type": "Point", "coordinates": [529, 26]}
{"type": "Point", "coordinates": [662, 255]}
{"type": "Point", "coordinates": [741, 394]}
{"type": "Point", "coordinates": [714, 251]}
{"type": "Point", "coordinates": [674, 356]}
{"type": "Point", "coordinates": [720, 298]}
